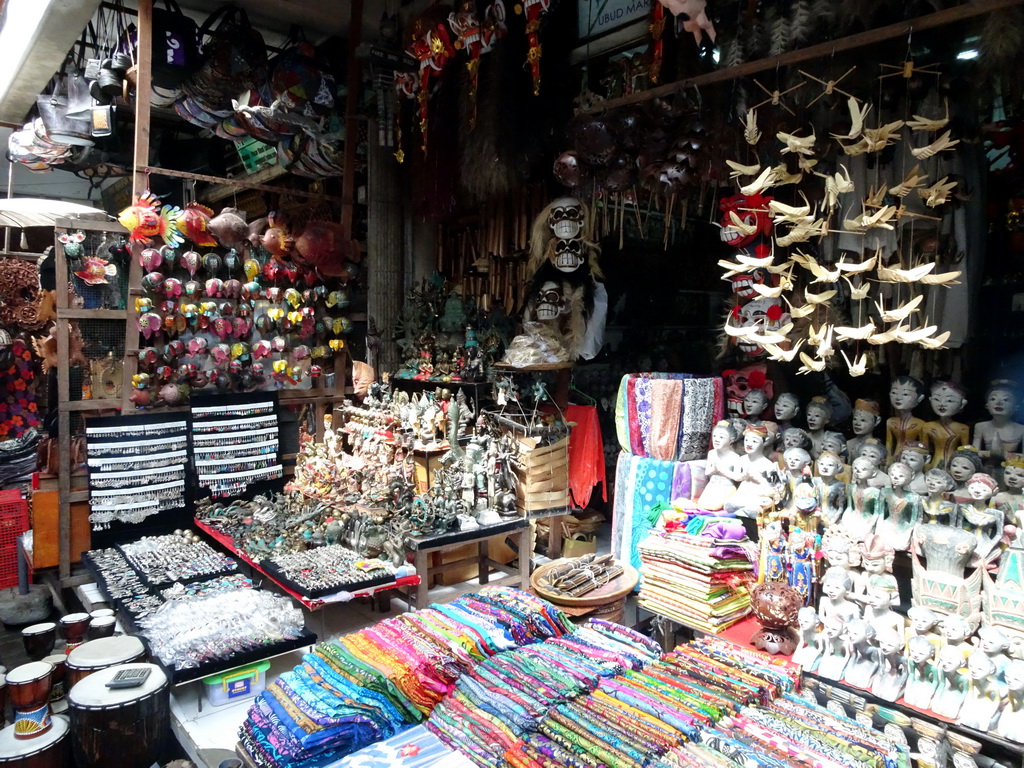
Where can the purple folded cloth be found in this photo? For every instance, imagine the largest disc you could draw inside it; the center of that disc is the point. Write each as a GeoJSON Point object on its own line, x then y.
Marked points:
{"type": "Point", "coordinates": [727, 528]}
{"type": "Point", "coordinates": [727, 553]}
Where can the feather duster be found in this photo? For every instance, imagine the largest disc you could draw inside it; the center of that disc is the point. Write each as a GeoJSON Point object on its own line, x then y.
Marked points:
{"type": "Point", "coordinates": [778, 30]}
{"type": "Point", "coordinates": [756, 42]}
{"type": "Point", "coordinates": [1002, 43]}
{"type": "Point", "coordinates": [858, 13]}
{"type": "Point", "coordinates": [493, 162]}
{"type": "Point", "coordinates": [801, 23]}
{"type": "Point", "coordinates": [732, 52]}
{"type": "Point", "coordinates": [824, 14]}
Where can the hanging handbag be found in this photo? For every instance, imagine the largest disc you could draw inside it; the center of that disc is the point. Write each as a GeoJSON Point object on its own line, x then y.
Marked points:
{"type": "Point", "coordinates": [60, 126]}
{"type": "Point", "coordinates": [175, 46]}
{"type": "Point", "coordinates": [234, 56]}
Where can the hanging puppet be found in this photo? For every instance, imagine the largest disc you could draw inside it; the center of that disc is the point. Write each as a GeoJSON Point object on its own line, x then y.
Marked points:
{"type": "Point", "coordinates": [566, 303]}
{"type": "Point", "coordinates": [747, 227]}
{"type": "Point", "coordinates": [476, 38]}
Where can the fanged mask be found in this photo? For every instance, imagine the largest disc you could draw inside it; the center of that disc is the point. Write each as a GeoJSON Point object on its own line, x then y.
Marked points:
{"type": "Point", "coordinates": [752, 211]}
{"type": "Point", "coordinates": [743, 284]}
{"type": "Point", "coordinates": [566, 218]}
{"type": "Point", "coordinates": [568, 255]}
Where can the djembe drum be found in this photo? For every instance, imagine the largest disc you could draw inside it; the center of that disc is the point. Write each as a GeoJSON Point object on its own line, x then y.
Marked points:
{"type": "Point", "coordinates": [125, 727]}
{"type": "Point", "coordinates": [39, 640]}
{"type": "Point", "coordinates": [47, 750]}
{"type": "Point", "coordinates": [29, 689]}
{"type": "Point", "coordinates": [58, 702]}
{"type": "Point", "coordinates": [102, 653]}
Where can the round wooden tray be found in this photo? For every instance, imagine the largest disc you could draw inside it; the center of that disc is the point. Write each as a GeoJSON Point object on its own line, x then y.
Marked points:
{"type": "Point", "coordinates": [615, 589]}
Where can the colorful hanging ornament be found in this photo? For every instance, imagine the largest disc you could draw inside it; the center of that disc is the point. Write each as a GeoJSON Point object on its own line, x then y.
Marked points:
{"type": "Point", "coordinates": [149, 324]}
{"type": "Point", "coordinates": [276, 239]}
{"type": "Point", "coordinates": [151, 259]}
{"type": "Point", "coordinates": [324, 245]}
{"type": "Point", "coordinates": [657, 30]}
{"type": "Point", "coordinates": [145, 219]}
{"type": "Point", "coordinates": [535, 11]}
{"type": "Point", "coordinates": [476, 39]}
{"type": "Point", "coordinates": [95, 271]}
{"type": "Point", "coordinates": [432, 49]}
{"type": "Point", "coordinates": [195, 224]}
{"type": "Point", "coordinates": [72, 242]}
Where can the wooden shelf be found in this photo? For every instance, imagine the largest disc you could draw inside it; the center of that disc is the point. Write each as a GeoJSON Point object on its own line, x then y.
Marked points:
{"type": "Point", "coordinates": [900, 29]}
{"type": "Point", "coordinates": [91, 405]}
{"type": "Point", "coordinates": [93, 225]}
{"type": "Point", "coordinates": [92, 314]}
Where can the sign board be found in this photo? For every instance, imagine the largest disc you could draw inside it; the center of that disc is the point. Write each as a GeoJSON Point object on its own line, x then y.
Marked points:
{"type": "Point", "coordinates": [255, 155]}
{"type": "Point", "coordinates": [596, 17]}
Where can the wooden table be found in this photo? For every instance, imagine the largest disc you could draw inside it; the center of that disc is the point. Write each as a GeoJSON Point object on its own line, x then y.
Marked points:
{"type": "Point", "coordinates": [423, 547]}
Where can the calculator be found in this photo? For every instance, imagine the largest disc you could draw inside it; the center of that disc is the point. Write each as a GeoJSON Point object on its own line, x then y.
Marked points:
{"type": "Point", "coordinates": [129, 678]}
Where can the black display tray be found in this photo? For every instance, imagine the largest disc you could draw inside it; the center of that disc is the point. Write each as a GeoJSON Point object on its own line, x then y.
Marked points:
{"type": "Point", "coordinates": [214, 666]}
{"type": "Point", "coordinates": [238, 659]}
{"type": "Point", "coordinates": [161, 585]}
{"type": "Point", "coordinates": [276, 574]}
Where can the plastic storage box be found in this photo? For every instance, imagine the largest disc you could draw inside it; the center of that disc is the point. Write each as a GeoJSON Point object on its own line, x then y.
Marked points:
{"type": "Point", "coordinates": [236, 684]}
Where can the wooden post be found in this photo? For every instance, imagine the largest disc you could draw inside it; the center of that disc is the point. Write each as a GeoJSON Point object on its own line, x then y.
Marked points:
{"type": "Point", "coordinates": [62, 328]}
{"type": "Point", "coordinates": [348, 181]}
{"type": "Point", "coordinates": [143, 92]}
{"type": "Point", "coordinates": [384, 246]}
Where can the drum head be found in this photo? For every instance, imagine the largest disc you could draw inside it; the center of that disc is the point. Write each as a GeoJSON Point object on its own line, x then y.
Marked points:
{"type": "Point", "coordinates": [105, 652]}
{"type": "Point", "coordinates": [75, 618]}
{"type": "Point", "coordinates": [57, 659]}
{"type": "Point", "coordinates": [15, 750]}
{"type": "Point", "coordinates": [92, 692]}
{"type": "Point", "coordinates": [38, 629]}
{"type": "Point", "coordinates": [100, 612]}
{"type": "Point", "coordinates": [28, 673]}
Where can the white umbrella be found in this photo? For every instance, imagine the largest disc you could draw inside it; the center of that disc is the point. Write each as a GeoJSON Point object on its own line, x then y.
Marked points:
{"type": "Point", "coordinates": [24, 212]}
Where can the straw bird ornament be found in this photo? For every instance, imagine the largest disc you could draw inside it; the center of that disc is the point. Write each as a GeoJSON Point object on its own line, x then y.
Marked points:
{"type": "Point", "coordinates": [910, 182]}
{"type": "Point", "coordinates": [751, 133]}
{"type": "Point", "coordinates": [798, 145]}
{"type": "Point", "coordinates": [920, 123]}
{"type": "Point", "coordinates": [941, 144]}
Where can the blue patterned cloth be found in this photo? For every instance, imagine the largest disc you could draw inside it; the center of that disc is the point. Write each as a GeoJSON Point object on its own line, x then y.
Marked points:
{"type": "Point", "coordinates": [414, 748]}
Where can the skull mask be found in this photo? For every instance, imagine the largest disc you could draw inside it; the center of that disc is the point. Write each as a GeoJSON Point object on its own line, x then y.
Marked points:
{"type": "Point", "coordinates": [566, 218]}
{"type": "Point", "coordinates": [551, 302]}
{"type": "Point", "coordinates": [767, 314]}
{"type": "Point", "coordinates": [568, 255]}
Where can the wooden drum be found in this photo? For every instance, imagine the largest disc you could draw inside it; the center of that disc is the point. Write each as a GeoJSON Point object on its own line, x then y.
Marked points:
{"type": "Point", "coordinates": [58, 702]}
{"type": "Point", "coordinates": [29, 688]}
{"type": "Point", "coordinates": [49, 750]}
{"type": "Point", "coordinates": [125, 727]}
{"type": "Point", "coordinates": [102, 653]}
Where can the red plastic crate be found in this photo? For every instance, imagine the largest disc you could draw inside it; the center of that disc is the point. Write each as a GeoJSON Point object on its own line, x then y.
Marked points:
{"type": "Point", "coordinates": [14, 521]}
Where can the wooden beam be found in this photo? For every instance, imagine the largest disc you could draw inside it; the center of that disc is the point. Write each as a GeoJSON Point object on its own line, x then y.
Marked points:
{"type": "Point", "coordinates": [77, 406]}
{"type": "Point", "coordinates": [93, 225]}
{"type": "Point", "coordinates": [242, 183]}
{"type": "Point", "coordinates": [348, 181]}
{"type": "Point", "coordinates": [942, 18]}
{"type": "Point", "coordinates": [143, 93]}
